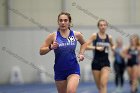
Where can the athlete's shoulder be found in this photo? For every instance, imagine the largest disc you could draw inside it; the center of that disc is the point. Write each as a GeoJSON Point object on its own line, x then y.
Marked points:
{"type": "Point", "coordinates": [126, 48]}
{"type": "Point", "coordinates": [52, 35]}
{"type": "Point", "coordinates": [110, 37]}
{"type": "Point", "coordinates": [78, 35]}
{"type": "Point", "coordinates": [94, 36]}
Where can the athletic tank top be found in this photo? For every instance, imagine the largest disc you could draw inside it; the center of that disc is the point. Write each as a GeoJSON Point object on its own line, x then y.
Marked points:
{"type": "Point", "coordinates": [101, 55]}
{"type": "Point", "coordinates": [118, 57]}
{"type": "Point", "coordinates": [65, 57]}
{"type": "Point", "coordinates": [133, 53]}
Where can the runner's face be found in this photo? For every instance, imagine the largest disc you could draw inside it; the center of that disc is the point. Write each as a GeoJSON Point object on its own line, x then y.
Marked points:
{"type": "Point", "coordinates": [63, 22]}
{"type": "Point", "coordinates": [102, 26]}
{"type": "Point", "coordinates": [133, 40]}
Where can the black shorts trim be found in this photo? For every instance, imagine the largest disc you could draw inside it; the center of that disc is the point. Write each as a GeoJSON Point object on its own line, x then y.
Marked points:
{"type": "Point", "coordinates": [97, 65]}
{"type": "Point", "coordinates": [131, 64]}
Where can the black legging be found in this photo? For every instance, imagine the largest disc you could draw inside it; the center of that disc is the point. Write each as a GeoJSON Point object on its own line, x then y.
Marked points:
{"type": "Point", "coordinates": [119, 72]}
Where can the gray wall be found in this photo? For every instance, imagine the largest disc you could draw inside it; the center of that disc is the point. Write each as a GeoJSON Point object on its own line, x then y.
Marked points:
{"type": "Point", "coordinates": [3, 14]}
{"type": "Point", "coordinates": [117, 12]}
{"type": "Point", "coordinates": [42, 11]}
{"type": "Point", "coordinates": [22, 49]}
